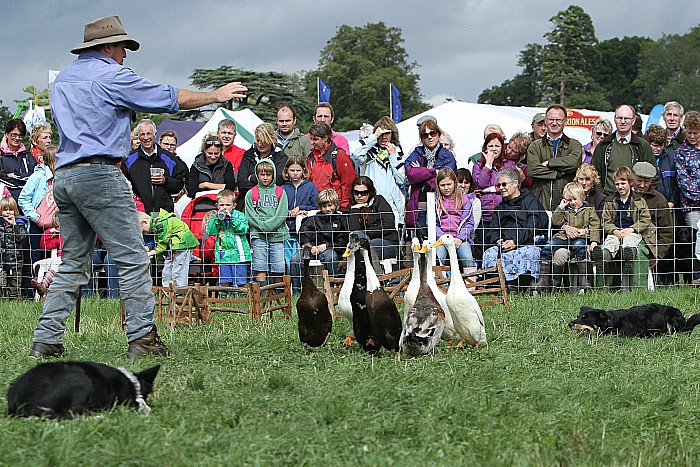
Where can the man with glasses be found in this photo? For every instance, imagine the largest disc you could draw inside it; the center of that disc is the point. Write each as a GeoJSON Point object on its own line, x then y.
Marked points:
{"type": "Point", "coordinates": [155, 173]}
{"type": "Point", "coordinates": [622, 148]}
{"type": "Point", "coordinates": [168, 140]}
{"type": "Point", "coordinates": [552, 160]}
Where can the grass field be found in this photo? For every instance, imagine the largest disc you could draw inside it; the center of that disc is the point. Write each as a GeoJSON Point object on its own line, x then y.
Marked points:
{"type": "Point", "coordinates": [242, 393]}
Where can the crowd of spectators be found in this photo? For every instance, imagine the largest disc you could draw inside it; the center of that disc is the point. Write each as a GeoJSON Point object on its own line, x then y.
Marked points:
{"type": "Point", "coordinates": [534, 200]}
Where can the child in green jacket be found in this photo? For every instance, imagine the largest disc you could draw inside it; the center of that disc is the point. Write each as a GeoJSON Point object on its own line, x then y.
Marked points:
{"type": "Point", "coordinates": [175, 240]}
{"type": "Point", "coordinates": [266, 209]}
{"type": "Point", "coordinates": [231, 251]}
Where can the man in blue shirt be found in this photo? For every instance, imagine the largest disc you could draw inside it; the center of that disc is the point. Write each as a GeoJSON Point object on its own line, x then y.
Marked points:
{"type": "Point", "coordinates": [91, 103]}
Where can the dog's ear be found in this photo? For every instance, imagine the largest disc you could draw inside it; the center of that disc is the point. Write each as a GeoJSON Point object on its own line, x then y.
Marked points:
{"type": "Point", "coordinates": [146, 378]}
{"type": "Point", "coordinates": [587, 309]}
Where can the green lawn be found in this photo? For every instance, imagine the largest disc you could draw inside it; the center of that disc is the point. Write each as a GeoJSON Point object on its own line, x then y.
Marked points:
{"type": "Point", "coordinates": [237, 392]}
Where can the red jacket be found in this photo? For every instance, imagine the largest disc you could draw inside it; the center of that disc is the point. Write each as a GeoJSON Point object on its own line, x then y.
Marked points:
{"type": "Point", "coordinates": [321, 172]}
{"type": "Point", "coordinates": [234, 154]}
{"type": "Point", "coordinates": [51, 241]}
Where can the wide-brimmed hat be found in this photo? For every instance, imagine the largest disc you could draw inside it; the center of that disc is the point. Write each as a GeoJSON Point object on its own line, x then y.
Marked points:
{"type": "Point", "coordinates": [107, 30]}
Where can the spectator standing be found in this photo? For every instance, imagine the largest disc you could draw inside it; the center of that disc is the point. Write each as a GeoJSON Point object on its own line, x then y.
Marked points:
{"type": "Point", "coordinates": [381, 159]}
{"type": "Point", "coordinates": [91, 104]}
{"type": "Point", "coordinates": [168, 141]}
{"type": "Point", "coordinates": [265, 147]}
{"type": "Point", "coordinates": [16, 162]}
{"type": "Point", "coordinates": [156, 175]}
{"type": "Point", "coordinates": [231, 250]}
{"type": "Point", "coordinates": [324, 113]}
{"type": "Point", "coordinates": [226, 131]}
{"type": "Point", "coordinates": [421, 168]}
{"type": "Point", "coordinates": [329, 165]}
{"type": "Point", "coordinates": [622, 148]}
{"type": "Point", "coordinates": [13, 233]}
{"type": "Point", "coordinates": [553, 159]}
{"type": "Point", "coordinates": [485, 172]}
{"type": "Point", "coordinates": [209, 170]}
{"type": "Point", "coordinates": [266, 210]}
{"type": "Point", "coordinates": [539, 126]}
{"type": "Point", "coordinates": [301, 198]}
{"type": "Point", "coordinates": [601, 129]}
{"type": "Point", "coordinates": [687, 168]}
{"type": "Point", "coordinates": [516, 151]}
{"type": "Point", "coordinates": [40, 137]}
{"type": "Point", "coordinates": [673, 116]}
{"type": "Point", "coordinates": [175, 241]}
{"type": "Point", "coordinates": [289, 138]}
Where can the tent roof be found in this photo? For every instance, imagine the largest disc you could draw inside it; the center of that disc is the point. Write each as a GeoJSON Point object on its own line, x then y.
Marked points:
{"type": "Point", "coordinates": [184, 129]}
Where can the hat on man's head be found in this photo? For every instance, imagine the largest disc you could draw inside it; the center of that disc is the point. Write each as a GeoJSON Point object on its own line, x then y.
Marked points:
{"type": "Point", "coordinates": [424, 119]}
{"type": "Point", "coordinates": [107, 30]}
{"type": "Point", "coordinates": [644, 170]}
{"type": "Point", "coordinates": [538, 118]}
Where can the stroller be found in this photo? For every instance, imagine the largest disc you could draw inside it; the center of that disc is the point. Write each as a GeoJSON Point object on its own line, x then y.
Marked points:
{"type": "Point", "coordinates": [203, 271]}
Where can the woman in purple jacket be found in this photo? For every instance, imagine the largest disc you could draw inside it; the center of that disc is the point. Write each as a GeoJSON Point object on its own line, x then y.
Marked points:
{"type": "Point", "coordinates": [421, 167]}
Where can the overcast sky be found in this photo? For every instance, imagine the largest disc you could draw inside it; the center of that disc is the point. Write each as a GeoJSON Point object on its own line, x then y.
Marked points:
{"type": "Point", "coordinates": [462, 47]}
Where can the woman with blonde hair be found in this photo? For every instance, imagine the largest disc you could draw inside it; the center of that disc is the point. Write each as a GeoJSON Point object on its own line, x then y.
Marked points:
{"type": "Point", "coordinates": [265, 147]}
{"type": "Point", "coordinates": [40, 137]}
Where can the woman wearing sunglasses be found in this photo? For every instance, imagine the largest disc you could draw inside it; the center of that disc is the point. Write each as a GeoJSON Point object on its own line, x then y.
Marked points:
{"type": "Point", "coordinates": [515, 222]}
{"type": "Point", "coordinates": [421, 168]}
{"type": "Point", "coordinates": [16, 163]}
{"type": "Point", "coordinates": [601, 129]}
{"type": "Point", "coordinates": [372, 214]}
{"type": "Point", "coordinates": [209, 170]}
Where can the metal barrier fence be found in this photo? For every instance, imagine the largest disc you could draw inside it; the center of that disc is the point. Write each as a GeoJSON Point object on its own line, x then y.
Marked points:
{"type": "Point", "coordinates": [678, 266]}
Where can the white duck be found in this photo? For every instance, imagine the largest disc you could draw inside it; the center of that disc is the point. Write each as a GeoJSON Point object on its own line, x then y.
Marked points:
{"type": "Point", "coordinates": [344, 304]}
{"type": "Point", "coordinates": [450, 333]}
{"type": "Point", "coordinates": [465, 310]}
{"type": "Point", "coordinates": [409, 297]}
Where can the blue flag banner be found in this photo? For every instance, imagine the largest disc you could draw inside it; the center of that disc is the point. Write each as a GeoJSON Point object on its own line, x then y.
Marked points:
{"type": "Point", "coordinates": [395, 104]}
{"type": "Point", "coordinates": [324, 91]}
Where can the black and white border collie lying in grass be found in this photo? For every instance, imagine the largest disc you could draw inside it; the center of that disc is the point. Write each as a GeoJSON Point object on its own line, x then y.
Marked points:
{"type": "Point", "coordinates": [64, 389]}
{"type": "Point", "coordinates": [639, 321]}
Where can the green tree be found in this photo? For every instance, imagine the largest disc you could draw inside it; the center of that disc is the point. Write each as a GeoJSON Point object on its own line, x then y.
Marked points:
{"type": "Point", "coordinates": [569, 56]}
{"type": "Point", "coordinates": [5, 116]}
{"type": "Point", "coordinates": [616, 74]}
{"type": "Point", "coordinates": [670, 70]}
{"type": "Point", "coordinates": [359, 63]}
{"type": "Point", "coordinates": [523, 90]}
{"type": "Point", "coordinates": [266, 90]}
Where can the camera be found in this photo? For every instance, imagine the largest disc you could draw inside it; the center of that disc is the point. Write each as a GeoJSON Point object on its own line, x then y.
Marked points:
{"type": "Point", "coordinates": [222, 215]}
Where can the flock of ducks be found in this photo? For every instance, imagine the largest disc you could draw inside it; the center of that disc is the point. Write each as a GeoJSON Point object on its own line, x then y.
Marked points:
{"type": "Point", "coordinates": [429, 313]}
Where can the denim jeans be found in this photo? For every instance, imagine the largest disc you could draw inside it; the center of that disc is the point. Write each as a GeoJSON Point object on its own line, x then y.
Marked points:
{"type": "Point", "coordinates": [464, 256]}
{"type": "Point", "coordinates": [578, 246]}
{"type": "Point", "coordinates": [384, 248]}
{"type": "Point", "coordinates": [96, 200]}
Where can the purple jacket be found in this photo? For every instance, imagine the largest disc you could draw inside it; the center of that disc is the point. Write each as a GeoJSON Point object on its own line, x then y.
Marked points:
{"type": "Point", "coordinates": [422, 178]}
{"type": "Point", "coordinates": [687, 168]}
{"type": "Point", "coordinates": [484, 178]}
{"type": "Point", "coordinates": [458, 223]}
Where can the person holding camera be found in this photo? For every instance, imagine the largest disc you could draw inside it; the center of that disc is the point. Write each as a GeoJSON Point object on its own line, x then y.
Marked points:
{"type": "Point", "coordinates": [209, 170]}
{"type": "Point", "coordinates": [155, 173]}
{"type": "Point", "coordinates": [231, 251]}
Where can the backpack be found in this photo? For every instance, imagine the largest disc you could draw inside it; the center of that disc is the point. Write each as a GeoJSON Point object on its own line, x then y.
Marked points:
{"type": "Point", "coordinates": [334, 156]}
{"type": "Point", "coordinates": [255, 194]}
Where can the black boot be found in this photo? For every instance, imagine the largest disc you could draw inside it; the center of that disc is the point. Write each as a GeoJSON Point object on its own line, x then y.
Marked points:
{"type": "Point", "coordinates": [542, 284]}
{"type": "Point", "coordinates": [583, 283]}
{"type": "Point", "coordinates": [557, 272]}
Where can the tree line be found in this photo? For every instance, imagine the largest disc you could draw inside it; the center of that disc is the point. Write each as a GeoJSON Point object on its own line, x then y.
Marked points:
{"type": "Point", "coordinates": [575, 69]}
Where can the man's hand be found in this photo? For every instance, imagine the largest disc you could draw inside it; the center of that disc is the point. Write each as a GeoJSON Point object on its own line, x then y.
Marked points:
{"type": "Point", "coordinates": [230, 91]}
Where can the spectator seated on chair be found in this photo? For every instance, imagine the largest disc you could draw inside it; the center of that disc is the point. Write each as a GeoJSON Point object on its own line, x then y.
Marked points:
{"type": "Point", "coordinates": [512, 229]}
{"type": "Point", "coordinates": [579, 234]}
{"type": "Point", "coordinates": [326, 232]}
{"type": "Point", "coordinates": [627, 228]}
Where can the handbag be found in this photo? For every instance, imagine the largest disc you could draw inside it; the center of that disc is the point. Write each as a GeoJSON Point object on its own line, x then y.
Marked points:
{"type": "Point", "coordinates": [47, 208]}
